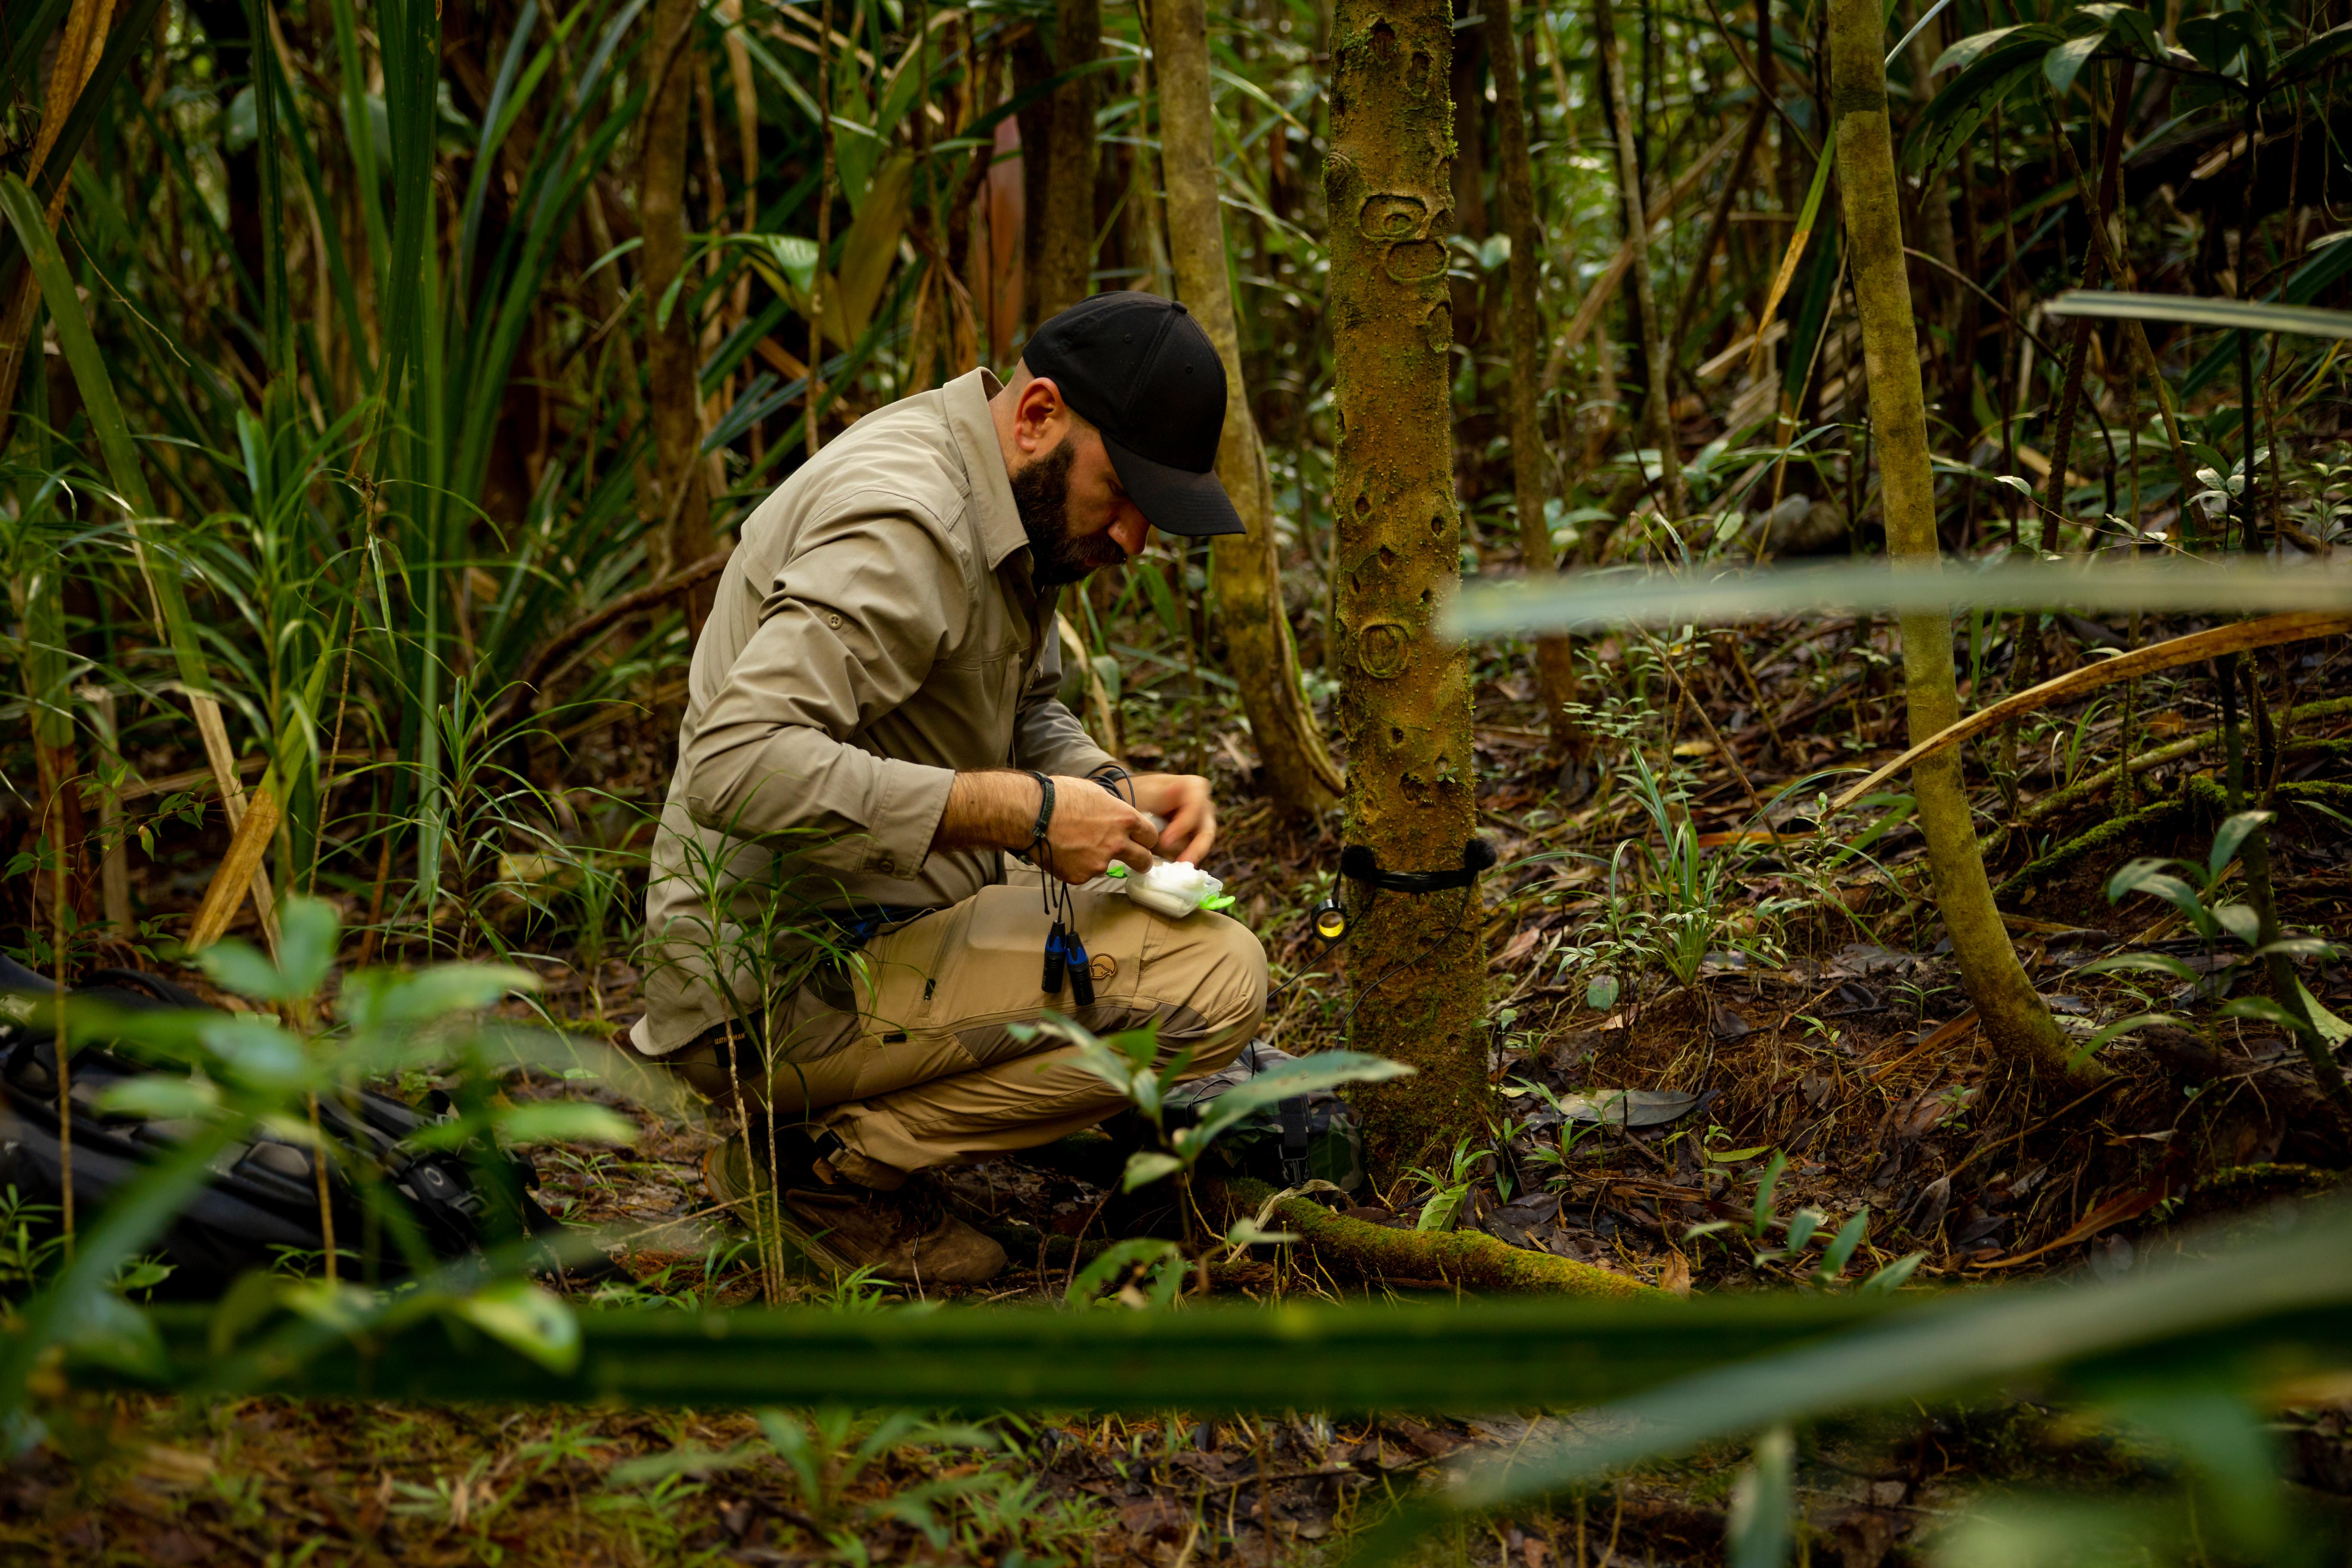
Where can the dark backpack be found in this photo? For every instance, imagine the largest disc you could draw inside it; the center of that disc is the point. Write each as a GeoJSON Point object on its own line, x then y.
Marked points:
{"type": "Point", "coordinates": [1314, 1136]}
{"type": "Point", "coordinates": [261, 1203]}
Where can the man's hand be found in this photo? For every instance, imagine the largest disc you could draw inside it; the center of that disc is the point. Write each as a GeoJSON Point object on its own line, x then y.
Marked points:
{"type": "Point", "coordinates": [1182, 800]}
{"type": "Point", "coordinates": [1090, 827]}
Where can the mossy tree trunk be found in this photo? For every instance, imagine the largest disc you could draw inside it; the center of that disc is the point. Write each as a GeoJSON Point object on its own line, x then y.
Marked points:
{"type": "Point", "coordinates": [1405, 694]}
{"type": "Point", "coordinates": [1555, 661]}
{"type": "Point", "coordinates": [1066, 232]}
{"type": "Point", "coordinates": [1300, 775]}
{"type": "Point", "coordinates": [2015, 1016]}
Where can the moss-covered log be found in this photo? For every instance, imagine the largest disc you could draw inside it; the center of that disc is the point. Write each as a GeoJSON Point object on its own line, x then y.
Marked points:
{"type": "Point", "coordinates": [1356, 1250]}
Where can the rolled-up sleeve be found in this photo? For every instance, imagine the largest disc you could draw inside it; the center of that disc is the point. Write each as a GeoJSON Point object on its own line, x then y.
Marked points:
{"type": "Point", "coordinates": [1046, 735]}
{"type": "Point", "coordinates": [849, 631]}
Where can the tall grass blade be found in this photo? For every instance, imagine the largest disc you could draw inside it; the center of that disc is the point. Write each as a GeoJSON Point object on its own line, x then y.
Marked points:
{"type": "Point", "coordinates": [1594, 599]}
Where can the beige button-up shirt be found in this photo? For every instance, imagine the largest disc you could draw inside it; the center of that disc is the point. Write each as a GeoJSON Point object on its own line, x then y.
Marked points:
{"type": "Point", "coordinates": [876, 632]}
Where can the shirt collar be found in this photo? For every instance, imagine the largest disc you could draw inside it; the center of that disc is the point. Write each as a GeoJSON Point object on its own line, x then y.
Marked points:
{"type": "Point", "coordinates": [997, 519]}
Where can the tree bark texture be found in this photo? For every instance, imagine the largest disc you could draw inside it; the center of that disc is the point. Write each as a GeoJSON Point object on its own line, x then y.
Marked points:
{"type": "Point", "coordinates": [1066, 234]}
{"type": "Point", "coordinates": [1245, 569]}
{"type": "Point", "coordinates": [1405, 695]}
{"type": "Point", "coordinates": [1555, 660]}
{"type": "Point", "coordinates": [1657, 409]}
{"type": "Point", "coordinates": [670, 360]}
{"type": "Point", "coordinates": [2015, 1016]}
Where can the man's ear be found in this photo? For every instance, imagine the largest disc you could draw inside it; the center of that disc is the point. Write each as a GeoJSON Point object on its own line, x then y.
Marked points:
{"type": "Point", "coordinates": [1040, 418]}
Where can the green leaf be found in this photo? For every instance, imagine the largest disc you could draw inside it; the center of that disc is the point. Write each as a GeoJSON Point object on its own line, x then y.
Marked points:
{"type": "Point", "coordinates": [158, 1097]}
{"type": "Point", "coordinates": [1324, 1069]}
{"type": "Point", "coordinates": [1960, 56]}
{"type": "Point", "coordinates": [563, 1121]}
{"type": "Point", "coordinates": [2226, 841]}
{"type": "Point", "coordinates": [1763, 1500]}
{"type": "Point", "coordinates": [2062, 65]}
{"type": "Point", "coordinates": [256, 1052]}
{"type": "Point", "coordinates": [1764, 1185]}
{"type": "Point", "coordinates": [2129, 27]}
{"type": "Point", "coordinates": [381, 997]}
{"type": "Point", "coordinates": [2298, 947]}
{"type": "Point", "coordinates": [1996, 67]}
{"type": "Point", "coordinates": [2240, 921]}
{"type": "Point", "coordinates": [2216, 40]}
{"type": "Point", "coordinates": [2327, 47]}
{"type": "Point", "coordinates": [531, 1319]}
{"type": "Point", "coordinates": [112, 1333]}
{"type": "Point", "coordinates": [2261, 1009]}
{"type": "Point", "coordinates": [1438, 1212]}
{"type": "Point", "coordinates": [1840, 1251]}
{"type": "Point", "coordinates": [307, 940]}
{"type": "Point", "coordinates": [2332, 1030]}
{"type": "Point", "coordinates": [1146, 1167]}
{"type": "Point", "coordinates": [1890, 1279]}
{"type": "Point", "coordinates": [1802, 1226]}
{"type": "Point", "coordinates": [241, 967]}
{"type": "Point", "coordinates": [1135, 1251]}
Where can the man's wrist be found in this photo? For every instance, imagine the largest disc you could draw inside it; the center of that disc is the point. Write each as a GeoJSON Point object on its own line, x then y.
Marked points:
{"type": "Point", "coordinates": [990, 808]}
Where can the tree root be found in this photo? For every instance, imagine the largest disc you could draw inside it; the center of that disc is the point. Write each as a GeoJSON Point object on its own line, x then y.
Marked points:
{"type": "Point", "coordinates": [2186, 746]}
{"type": "Point", "coordinates": [2198, 793]}
{"type": "Point", "coordinates": [1353, 1249]}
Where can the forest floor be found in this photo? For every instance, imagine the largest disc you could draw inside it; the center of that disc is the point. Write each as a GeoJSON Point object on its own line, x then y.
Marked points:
{"type": "Point", "coordinates": [1813, 1027]}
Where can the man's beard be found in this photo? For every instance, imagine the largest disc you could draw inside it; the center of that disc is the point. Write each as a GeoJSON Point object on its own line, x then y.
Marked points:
{"type": "Point", "coordinates": [1041, 492]}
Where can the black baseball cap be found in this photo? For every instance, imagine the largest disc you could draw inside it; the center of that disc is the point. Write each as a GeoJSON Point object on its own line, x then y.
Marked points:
{"type": "Point", "coordinates": [1140, 370]}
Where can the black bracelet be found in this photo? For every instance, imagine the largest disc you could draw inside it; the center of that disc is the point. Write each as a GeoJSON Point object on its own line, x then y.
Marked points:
{"type": "Point", "coordinates": [1115, 779]}
{"type": "Point", "coordinates": [1044, 806]}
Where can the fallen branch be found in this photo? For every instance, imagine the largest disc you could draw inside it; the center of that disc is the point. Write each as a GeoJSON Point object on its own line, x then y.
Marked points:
{"type": "Point", "coordinates": [1465, 1260]}
{"type": "Point", "coordinates": [2238, 637]}
{"type": "Point", "coordinates": [536, 668]}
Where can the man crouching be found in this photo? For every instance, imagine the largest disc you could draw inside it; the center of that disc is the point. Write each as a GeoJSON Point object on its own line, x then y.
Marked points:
{"type": "Point", "coordinates": [872, 727]}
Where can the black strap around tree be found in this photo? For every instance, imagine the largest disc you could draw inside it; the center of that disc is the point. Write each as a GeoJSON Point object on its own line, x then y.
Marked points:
{"type": "Point", "coordinates": [1358, 863]}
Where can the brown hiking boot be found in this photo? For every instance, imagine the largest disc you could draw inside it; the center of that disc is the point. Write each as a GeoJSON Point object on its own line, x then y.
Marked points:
{"type": "Point", "coordinates": [907, 1238]}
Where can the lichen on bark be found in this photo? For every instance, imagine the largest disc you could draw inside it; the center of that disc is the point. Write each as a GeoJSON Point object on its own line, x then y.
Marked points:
{"type": "Point", "coordinates": [1404, 705]}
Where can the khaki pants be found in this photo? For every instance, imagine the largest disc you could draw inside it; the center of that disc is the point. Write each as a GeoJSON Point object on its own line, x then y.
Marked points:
{"type": "Point", "coordinates": [910, 1061]}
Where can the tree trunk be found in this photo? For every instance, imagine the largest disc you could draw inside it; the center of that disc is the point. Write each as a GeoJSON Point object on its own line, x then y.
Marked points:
{"type": "Point", "coordinates": [684, 533]}
{"type": "Point", "coordinates": [2015, 1016]}
{"type": "Point", "coordinates": [1405, 697]}
{"type": "Point", "coordinates": [1300, 775]}
{"type": "Point", "coordinates": [1657, 416]}
{"type": "Point", "coordinates": [1555, 663]}
{"type": "Point", "coordinates": [1066, 234]}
